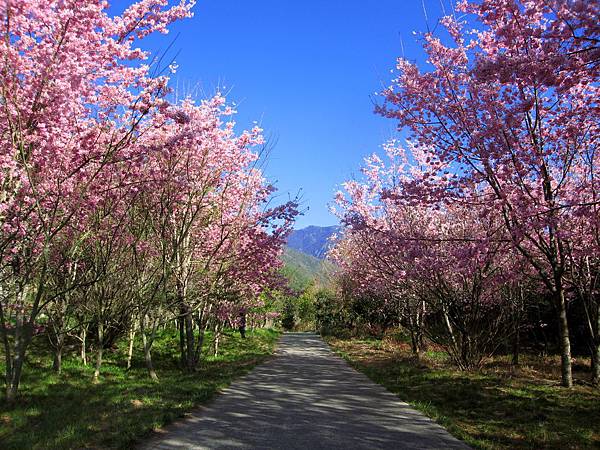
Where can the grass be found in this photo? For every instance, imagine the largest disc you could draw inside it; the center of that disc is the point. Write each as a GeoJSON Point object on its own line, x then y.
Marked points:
{"type": "Point", "coordinates": [496, 408]}
{"type": "Point", "coordinates": [69, 411]}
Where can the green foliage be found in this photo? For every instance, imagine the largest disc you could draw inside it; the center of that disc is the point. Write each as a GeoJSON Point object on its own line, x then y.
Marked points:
{"type": "Point", "coordinates": [302, 270]}
{"type": "Point", "coordinates": [288, 316]}
{"type": "Point", "coordinates": [301, 312]}
{"type": "Point", "coordinates": [330, 315]}
{"type": "Point", "coordinates": [307, 276]}
{"type": "Point", "coordinates": [68, 411]}
{"type": "Point", "coordinates": [305, 309]}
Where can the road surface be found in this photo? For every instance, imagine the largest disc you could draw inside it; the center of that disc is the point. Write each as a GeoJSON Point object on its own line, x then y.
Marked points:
{"type": "Point", "coordinates": [306, 397]}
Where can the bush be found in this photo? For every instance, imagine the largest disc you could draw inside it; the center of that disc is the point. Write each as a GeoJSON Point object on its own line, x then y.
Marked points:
{"type": "Point", "coordinates": [288, 320]}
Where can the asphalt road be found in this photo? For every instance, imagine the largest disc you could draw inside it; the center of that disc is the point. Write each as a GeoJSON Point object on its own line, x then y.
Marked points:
{"type": "Point", "coordinates": [305, 398]}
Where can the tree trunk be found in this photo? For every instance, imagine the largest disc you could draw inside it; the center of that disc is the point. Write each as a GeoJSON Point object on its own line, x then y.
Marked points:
{"type": "Point", "coordinates": [415, 344]}
{"type": "Point", "coordinates": [148, 358]}
{"type": "Point", "coordinates": [596, 366]}
{"type": "Point", "coordinates": [57, 363]}
{"type": "Point", "coordinates": [565, 342]}
{"type": "Point", "coordinates": [130, 349]}
{"type": "Point", "coordinates": [596, 351]}
{"type": "Point", "coordinates": [98, 364]}
{"type": "Point", "coordinates": [216, 345]}
{"type": "Point", "coordinates": [99, 353]}
{"type": "Point", "coordinates": [243, 325]}
{"type": "Point", "coordinates": [416, 349]}
{"type": "Point", "coordinates": [7, 352]}
{"type": "Point", "coordinates": [83, 345]}
{"type": "Point", "coordinates": [181, 327]}
{"type": "Point", "coordinates": [592, 312]}
{"type": "Point", "coordinates": [517, 318]}
{"type": "Point", "coordinates": [14, 376]}
{"type": "Point", "coordinates": [148, 348]}
{"type": "Point", "coordinates": [450, 330]}
{"type": "Point", "coordinates": [58, 346]}
{"type": "Point", "coordinates": [23, 331]}
{"type": "Point", "coordinates": [199, 344]}
{"type": "Point", "coordinates": [216, 342]}
{"type": "Point", "coordinates": [22, 338]}
{"type": "Point", "coordinates": [13, 379]}
{"type": "Point", "coordinates": [189, 339]}
{"type": "Point", "coordinates": [201, 333]}
{"type": "Point", "coordinates": [516, 348]}
{"type": "Point", "coordinates": [416, 330]}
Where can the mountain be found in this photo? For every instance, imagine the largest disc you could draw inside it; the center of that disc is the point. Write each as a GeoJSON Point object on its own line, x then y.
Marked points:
{"type": "Point", "coordinates": [302, 269]}
{"type": "Point", "coordinates": [312, 240]}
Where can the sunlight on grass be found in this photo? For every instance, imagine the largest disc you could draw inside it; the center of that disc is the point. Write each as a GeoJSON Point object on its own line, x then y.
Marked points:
{"type": "Point", "coordinates": [70, 412]}
{"type": "Point", "coordinates": [486, 410]}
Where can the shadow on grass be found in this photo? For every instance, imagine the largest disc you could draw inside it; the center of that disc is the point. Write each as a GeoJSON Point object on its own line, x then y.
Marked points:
{"type": "Point", "coordinates": [71, 412]}
{"type": "Point", "coordinates": [486, 411]}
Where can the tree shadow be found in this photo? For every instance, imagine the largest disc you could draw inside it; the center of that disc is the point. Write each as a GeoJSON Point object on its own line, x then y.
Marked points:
{"type": "Point", "coordinates": [71, 412]}
{"type": "Point", "coordinates": [487, 410]}
{"type": "Point", "coordinates": [306, 398]}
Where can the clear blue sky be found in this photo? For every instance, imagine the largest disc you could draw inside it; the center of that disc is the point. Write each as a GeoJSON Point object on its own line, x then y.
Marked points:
{"type": "Point", "coordinates": [306, 70]}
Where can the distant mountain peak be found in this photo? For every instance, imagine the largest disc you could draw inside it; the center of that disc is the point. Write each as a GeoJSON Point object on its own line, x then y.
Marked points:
{"type": "Point", "coordinates": [312, 240]}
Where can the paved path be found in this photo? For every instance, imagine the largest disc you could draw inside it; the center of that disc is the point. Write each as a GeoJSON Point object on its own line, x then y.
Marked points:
{"type": "Point", "coordinates": [305, 398]}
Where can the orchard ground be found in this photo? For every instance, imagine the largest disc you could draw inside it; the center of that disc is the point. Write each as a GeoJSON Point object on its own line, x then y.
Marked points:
{"type": "Point", "coordinates": [69, 411]}
{"type": "Point", "coordinates": [499, 407]}
{"type": "Point", "coordinates": [496, 408]}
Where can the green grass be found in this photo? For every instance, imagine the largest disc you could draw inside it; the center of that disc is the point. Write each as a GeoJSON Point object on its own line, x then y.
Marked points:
{"type": "Point", "coordinates": [69, 411]}
{"type": "Point", "coordinates": [492, 409]}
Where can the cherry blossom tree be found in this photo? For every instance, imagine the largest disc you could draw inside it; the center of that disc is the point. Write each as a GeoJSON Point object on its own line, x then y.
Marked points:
{"type": "Point", "coordinates": [66, 115]}
{"type": "Point", "coordinates": [120, 210]}
{"type": "Point", "coordinates": [507, 115]}
{"type": "Point", "coordinates": [204, 195]}
{"type": "Point", "coordinates": [443, 266]}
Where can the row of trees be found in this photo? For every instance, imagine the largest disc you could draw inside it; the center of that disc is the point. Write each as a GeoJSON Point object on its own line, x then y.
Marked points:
{"type": "Point", "coordinates": [119, 209]}
{"type": "Point", "coordinates": [493, 199]}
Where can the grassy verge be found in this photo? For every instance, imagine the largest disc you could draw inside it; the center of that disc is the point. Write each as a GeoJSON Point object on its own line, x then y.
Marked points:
{"type": "Point", "coordinates": [68, 411]}
{"type": "Point", "coordinates": [497, 408]}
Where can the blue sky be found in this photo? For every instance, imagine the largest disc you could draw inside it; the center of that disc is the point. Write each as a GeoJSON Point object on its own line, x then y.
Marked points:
{"type": "Point", "coordinates": [306, 71]}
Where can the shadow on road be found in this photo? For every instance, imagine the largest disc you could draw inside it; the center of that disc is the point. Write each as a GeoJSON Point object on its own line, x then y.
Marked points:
{"type": "Point", "coordinates": [307, 398]}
